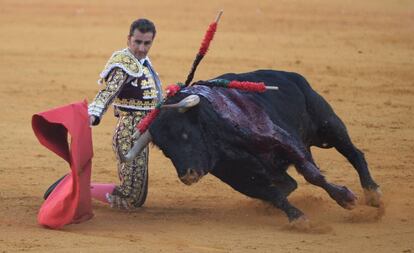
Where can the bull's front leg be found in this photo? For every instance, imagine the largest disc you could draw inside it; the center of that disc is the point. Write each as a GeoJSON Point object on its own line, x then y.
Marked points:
{"type": "Point", "coordinates": [341, 194]}
{"type": "Point", "coordinates": [283, 204]}
{"type": "Point", "coordinates": [273, 195]}
{"type": "Point", "coordinates": [259, 186]}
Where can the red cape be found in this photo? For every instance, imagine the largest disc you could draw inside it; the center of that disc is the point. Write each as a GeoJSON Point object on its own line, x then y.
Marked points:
{"type": "Point", "coordinates": [70, 201]}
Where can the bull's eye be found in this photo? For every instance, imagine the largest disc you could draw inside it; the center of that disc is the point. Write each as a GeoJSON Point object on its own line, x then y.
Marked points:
{"type": "Point", "coordinates": [185, 136]}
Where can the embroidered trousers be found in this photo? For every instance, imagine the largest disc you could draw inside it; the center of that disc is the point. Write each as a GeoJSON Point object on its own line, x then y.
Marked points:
{"type": "Point", "coordinates": [133, 188]}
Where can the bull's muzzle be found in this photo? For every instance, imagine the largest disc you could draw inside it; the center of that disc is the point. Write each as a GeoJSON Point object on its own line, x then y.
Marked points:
{"type": "Point", "coordinates": [192, 176]}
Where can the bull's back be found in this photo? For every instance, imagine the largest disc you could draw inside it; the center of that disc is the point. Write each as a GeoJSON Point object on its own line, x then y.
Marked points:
{"type": "Point", "coordinates": [295, 106]}
{"type": "Point", "coordinates": [286, 106]}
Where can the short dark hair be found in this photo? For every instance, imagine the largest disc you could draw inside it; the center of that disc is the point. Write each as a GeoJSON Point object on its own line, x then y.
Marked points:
{"type": "Point", "coordinates": [143, 25]}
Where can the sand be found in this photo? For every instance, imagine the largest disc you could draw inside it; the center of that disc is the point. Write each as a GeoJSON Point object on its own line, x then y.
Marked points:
{"type": "Point", "coordinates": [358, 54]}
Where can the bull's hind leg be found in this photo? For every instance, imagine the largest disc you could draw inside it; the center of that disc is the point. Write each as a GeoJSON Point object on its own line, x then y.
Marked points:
{"type": "Point", "coordinates": [342, 195]}
{"type": "Point", "coordinates": [335, 134]}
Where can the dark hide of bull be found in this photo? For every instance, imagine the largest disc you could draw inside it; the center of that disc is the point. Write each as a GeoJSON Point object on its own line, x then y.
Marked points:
{"type": "Point", "coordinates": [248, 140]}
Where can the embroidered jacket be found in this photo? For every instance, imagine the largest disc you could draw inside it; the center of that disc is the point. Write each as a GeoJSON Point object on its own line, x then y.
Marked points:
{"type": "Point", "coordinates": [129, 84]}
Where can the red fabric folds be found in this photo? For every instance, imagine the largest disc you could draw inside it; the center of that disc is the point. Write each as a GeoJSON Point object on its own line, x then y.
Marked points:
{"type": "Point", "coordinates": [70, 201]}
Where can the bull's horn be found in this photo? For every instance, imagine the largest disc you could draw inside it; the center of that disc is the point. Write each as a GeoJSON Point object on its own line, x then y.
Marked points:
{"type": "Point", "coordinates": [136, 135]}
{"type": "Point", "coordinates": [187, 102]}
{"type": "Point", "coordinates": [138, 146]}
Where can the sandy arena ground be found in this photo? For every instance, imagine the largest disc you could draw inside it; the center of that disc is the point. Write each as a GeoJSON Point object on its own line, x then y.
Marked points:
{"type": "Point", "coordinates": [358, 54]}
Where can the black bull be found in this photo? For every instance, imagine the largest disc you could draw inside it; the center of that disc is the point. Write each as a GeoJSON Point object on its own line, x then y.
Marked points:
{"type": "Point", "coordinates": [248, 139]}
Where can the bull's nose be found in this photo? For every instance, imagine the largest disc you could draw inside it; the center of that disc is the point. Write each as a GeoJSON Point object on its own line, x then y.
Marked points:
{"type": "Point", "coordinates": [192, 176]}
{"type": "Point", "coordinates": [192, 172]}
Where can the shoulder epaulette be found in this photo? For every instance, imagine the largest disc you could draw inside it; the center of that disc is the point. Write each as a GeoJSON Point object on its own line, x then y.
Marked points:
{"type": "Point", "coordinates": [126, 61]}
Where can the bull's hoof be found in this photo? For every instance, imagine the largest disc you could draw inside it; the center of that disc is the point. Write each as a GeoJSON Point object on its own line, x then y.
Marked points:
{"type": "Point", "coordinates": [303, 225]}
{"type": "Point", "coordinates": [344, 197]}
{"type": "Point", "coordinates": [373, 197]}
{"type": "Point", "coordinates": [300, 224]}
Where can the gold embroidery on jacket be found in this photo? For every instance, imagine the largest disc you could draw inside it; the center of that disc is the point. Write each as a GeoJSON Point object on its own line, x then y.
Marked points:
{"type": "Point", "coordinates": [126, 61]}
{"type": "Point", "coordinates": [111, 88]}
{"type": "Point", "coordinates": [135, 103]}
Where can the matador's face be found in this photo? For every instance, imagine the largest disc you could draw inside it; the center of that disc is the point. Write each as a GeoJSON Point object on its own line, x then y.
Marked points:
{"type": "Point", "coordinates": [140, 43]}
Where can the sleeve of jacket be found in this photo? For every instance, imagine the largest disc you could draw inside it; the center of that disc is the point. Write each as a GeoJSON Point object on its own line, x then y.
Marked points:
{"type": "Point", "coordinates": [111, 88]}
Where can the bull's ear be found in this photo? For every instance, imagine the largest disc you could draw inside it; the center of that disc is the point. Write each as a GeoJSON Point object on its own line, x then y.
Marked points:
{"type": "Point", "coordinates": [185, 104]}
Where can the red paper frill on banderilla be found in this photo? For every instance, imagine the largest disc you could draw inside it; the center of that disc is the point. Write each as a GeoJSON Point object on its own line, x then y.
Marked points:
{"type": "Point", "coordinates": [70, 201]}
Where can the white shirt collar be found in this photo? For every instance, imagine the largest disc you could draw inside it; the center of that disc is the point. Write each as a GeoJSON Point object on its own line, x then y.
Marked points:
{"type": "Point", "coordinates": [142, 61]}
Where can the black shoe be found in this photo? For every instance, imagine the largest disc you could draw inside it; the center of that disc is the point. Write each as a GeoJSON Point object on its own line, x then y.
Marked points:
{"type": "Point", "coordinates": [52, 187]}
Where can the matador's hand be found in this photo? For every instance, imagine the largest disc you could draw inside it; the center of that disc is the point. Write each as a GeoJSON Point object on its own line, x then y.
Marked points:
{"type": "Point", "coordinates": [93, 120]}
